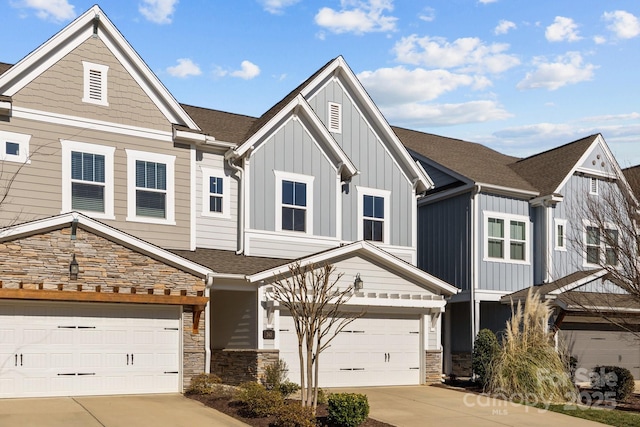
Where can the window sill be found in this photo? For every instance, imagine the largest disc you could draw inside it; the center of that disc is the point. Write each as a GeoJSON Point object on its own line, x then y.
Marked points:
{"type": "Point", "coordinates": [215, 215]}
{"type": "Point", "coordinates": [506, 261]}
{"type": "Point", "coordinates": [150, 220]}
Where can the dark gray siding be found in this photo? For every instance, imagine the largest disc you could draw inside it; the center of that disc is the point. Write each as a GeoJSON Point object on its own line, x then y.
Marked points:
{"type": "Point", "coordinates": [444, 240]}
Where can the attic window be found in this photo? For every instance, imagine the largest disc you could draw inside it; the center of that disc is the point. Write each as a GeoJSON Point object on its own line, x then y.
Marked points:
{"type": "Point", "coordinates": [335, 117]}
{"type": "Point", "coordinates": [95, 83]}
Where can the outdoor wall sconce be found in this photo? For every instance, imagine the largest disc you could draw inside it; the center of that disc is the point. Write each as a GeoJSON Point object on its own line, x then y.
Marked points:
{"type": "Point", "coordinates": [358, 284]}
{"type": "Point", "coordinates": [74, 268]}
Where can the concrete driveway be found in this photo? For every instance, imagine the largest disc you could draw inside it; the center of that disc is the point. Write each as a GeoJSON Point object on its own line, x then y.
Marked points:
{"type": "Point", "coordinates": [421, 406]}
{"type": "Point", "coordinates": [162, 410]}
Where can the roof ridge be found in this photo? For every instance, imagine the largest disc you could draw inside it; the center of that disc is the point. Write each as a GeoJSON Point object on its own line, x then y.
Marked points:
{"type": "Point", "coordinates": [557, 148]}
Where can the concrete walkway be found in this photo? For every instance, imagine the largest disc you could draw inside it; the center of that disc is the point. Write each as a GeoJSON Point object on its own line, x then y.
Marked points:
{"type": "Point", "coordinates": [421, 406]}
{"type": "Point", "coordinates": [162, 410]}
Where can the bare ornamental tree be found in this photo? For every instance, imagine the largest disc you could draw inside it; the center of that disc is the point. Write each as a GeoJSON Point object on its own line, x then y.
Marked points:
{"type": "Point", "coordinates": [311, 295]}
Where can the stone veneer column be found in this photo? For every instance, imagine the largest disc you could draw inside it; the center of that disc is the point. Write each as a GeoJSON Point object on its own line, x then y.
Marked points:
{"type": "Point", "coordinates": [237, 366]}
{"type": "Point", "coordinates": [193, 348]}
{"type": "Point", "coordinates": [433, 366]}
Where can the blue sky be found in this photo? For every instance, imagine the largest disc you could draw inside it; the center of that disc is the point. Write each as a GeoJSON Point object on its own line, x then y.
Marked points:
{"type": "Point", "coordinates": [520, 76]}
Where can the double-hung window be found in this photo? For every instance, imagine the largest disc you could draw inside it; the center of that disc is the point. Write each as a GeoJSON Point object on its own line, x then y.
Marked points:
{"type": "Point", "coordinates": [601, 246]}
{"type": "Point", "coordinates": [14, 147]}
{"type": "Point", "coordinates": [215, 193]}
{"type": "Point", "coordinates": [506, 238]}
{"type": "Point", "coordinates": [87, 179]}
{"type": "Point", "coordinates": [294, 202]}
{"type": "Point", "coordinates": [561, 235]}
{"type": "Point", "coordinates": [150, 187]}
{"type": "Point", "coordinates": [373, 214]}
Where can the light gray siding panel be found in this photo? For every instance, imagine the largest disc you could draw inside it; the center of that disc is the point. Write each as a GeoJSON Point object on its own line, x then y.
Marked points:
{"type": "Point", "coordinates": [361, 142]}
{"type": "Point", "coordinates": [292, 149]}
{"type": "Point", "coordinates": [444, 246]}
{"type": "Point", "coordinates": [539, 243]}
{"type": "Point", "coordinates": [216, 232]}
{"type": "Point", "coordinates": [503, 276]}
{"type": "Point", "coordinates": [289, 249]}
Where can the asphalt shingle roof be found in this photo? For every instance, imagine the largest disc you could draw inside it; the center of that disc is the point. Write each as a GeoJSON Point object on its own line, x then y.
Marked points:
{"type": "Point", "coordinates": [632, 175]}
{"type": "Point", "coordinates": [4, 67]}
{"type": "Point", "coordinates": [227, 262]}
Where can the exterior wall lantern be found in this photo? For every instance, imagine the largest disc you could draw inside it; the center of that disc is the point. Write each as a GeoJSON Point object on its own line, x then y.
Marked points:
{"type": "Point", "coordinates": [358, 284]}
{"type": "Point", "coordinates": [74, 268]}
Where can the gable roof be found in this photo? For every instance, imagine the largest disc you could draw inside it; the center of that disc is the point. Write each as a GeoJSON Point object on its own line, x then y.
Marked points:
{"type": "Point", "coordinates": [632, 174]}
{"type": "Point", "coordinates": [228, 262]}
{"type": "Point", "coordinates": [223, 126]}
{"type": "Point", "coordinates": [477, 162]}
{"type": "Point", "coordinates": [68, 219]}
{"type": "Point", "coordinates": [82, 28]}
{"type": "Point", "coordinates": [4, 67]}
{"type": "Point", "coordinates": [552, 289]}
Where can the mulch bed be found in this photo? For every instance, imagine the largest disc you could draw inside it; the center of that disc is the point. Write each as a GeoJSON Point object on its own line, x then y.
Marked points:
{"type": "Point", "coordinates": [234, 410]}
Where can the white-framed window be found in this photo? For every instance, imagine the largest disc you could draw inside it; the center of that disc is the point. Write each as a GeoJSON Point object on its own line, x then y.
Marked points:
{"type": "Point", "coordinates": [560, 237]}
{"type": "Point", "coordinates": [294, 202]}
{"type": "Point", "coordinates": [14, 147]}
{"type": "Point", "coordinates": [506, 238]}
{"type": "Point", "coordinates": [601, 245]}
{"type": "Point", "coordinates": [87, 179]}
{"type": "Point", "coordinates": [150, 187]}
{"type": "Point", "coordinates": [374, 214]}
{"type": "Point", "coordinates": [216, 198]}
{"type": "Point", "coordinates": [95, 83]}
{"type": "Point", "coordinates": [335, 117]}
{"type": "Point", "coordinates": [593, 185]}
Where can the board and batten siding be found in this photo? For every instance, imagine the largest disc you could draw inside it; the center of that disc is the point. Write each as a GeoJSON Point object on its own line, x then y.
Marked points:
{"type": "Point", "coordinates": [361, 142]}
{"type": "Point", "coordinates": [60, 90]}
{"type": "Point", "coordinates": [37, 190]}
{"type": "Point", "coordinates": [292, 149]}
{"type": "Point", "coordinates": [497, 275]}
{"type": "Point", "coordinates": [444, 240]}
{"type": "Point", "coordinates": [216, 232]}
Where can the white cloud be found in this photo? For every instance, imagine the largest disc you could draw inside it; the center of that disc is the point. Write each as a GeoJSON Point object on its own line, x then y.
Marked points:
{"type": "Point", "coordinates": [158, 11]}
{"type": "Point", "coordinates": [562, 29]}
{"type": "Point", "coordinates": [418, 115]}
{"type": "Point", "coordinates": [599, 40]}
{"type": "Point", "coordinates": [185, 68]}
{"type": "Point", "coordinates": [468, 54]}
{"type": "Point", "coordinates": [504, 26]}
{"type": "Point", "coordinates": [487, 1]}
{"type": "Point", "coordinates": [428, 14]}
{"type": "Point", "coordinates": [248, 70]}
{"type": "Point", "coordinates": [277, 6]}
{"type": "Point", "coordinates": [358, 17]}
{"type": "Point", "coordinates": [566, 69]}
{"type": "Point", "coordinates": [398, 85]}
{"type": "Point", "coordinates": [623, 24]}
{"type": "Point", "coordinates": [49, 10]}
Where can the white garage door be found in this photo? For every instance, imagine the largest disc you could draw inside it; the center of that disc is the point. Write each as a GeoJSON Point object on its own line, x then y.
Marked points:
{"type": "Point", "coordinates": [59, 349]}
{"type": "Point", "coordinates": [372, 350]}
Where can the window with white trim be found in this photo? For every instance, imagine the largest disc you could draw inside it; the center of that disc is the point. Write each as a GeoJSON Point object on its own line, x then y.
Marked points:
{"type": "Point", "coordinates": [335, 117]}
{"type": "Point", "coordinates": [215, 193]}
{"type": "Point", "coordinates": [87, 179]}
{"type": "Point", "coordinates": [506, 238]}
{"type": "Point", "coordinates": [373, 214]}
{"type": "Point", "coordinates": [560, 237]}
{"type": "Point", "coordinates": [14, 147]}
{"type": "Point", "coordinates": [95, 83]}
{"type": "Point", "coordinates": [601, 248]}
{"type": "Point", "coordinates": [150, 189]}
{"type": "Point", "coordinates": [294, 202]}
{"type": "Point", "coordinates": [593, 185]}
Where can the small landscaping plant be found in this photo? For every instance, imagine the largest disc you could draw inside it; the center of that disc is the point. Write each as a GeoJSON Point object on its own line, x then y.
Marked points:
{"type": "Point", "coordinates": [275, 378]}
{"type": "Point", "coordinates": [293, 414]}
{"type": "Point", "coordinates": [204, 384]}
{"type": "Point", "coordinates": [258, 401]}
{"type": "Point", "coordinates": [485, 349]}
{"type": "Point", "coordinates": [348, 409]}
{"type": "Point", "coordinates": [613, 379]}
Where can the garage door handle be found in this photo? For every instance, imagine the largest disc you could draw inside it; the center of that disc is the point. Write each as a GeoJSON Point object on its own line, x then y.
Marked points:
{"type": "Point", "coordinates": [132, 358]}
{"type": "Point", "coordinates": [171, 372]}
{"type": "Point", "coordinates": [67, 375]}
{"type": "Point", "coordinates": [85, 373]}
{"type": "Point", "coordinates": [16, 362]}
{"type": "Point", "coordinates": [20, 359]}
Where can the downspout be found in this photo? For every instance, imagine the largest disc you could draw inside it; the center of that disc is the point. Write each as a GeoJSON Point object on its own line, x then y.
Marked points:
{"type": "Point", "coordinates": [475, 263]}
{"type": "Point", "coordinates": [240, 171]}
{"type": "Point", "coordinates": [208, 284]}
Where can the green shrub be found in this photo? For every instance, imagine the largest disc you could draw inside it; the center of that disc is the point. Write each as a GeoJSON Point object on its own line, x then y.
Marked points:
{"type": "Point", "coordinates": [613, 379]}
{"type": "Point", "coordinates": [348, 409]}
{"type": "Point", "coordinates": [258, 401]}
{"type": "Point", "coordinates": [204, 384]}
{"type": "Point", "coordinates": [287, 388]}
{"type": "Point", "coordinates": [322, 397]}
{"type": "Point", "coordinates": [485, 349]}
{"type": "Point", "coordinates": [293, 414]}
{"type": "Point", "coordinates": [275, 374]}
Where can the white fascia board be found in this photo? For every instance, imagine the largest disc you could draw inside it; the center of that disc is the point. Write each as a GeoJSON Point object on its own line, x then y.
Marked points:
{"type": "Point", "coordinates": [507, 191]}
{"type": "Point", "coordinates": [185, 136]}
{"type": "Point", "coordinates": [578, 283]}
{"type": "Point", "coordinates": [395, 264]}
{"type": "Point", "coordinates": [549, 199]}
{"type": "Point", "coordinates": [56, 222]}
{"type": "Point", "coordinates": [299, 106]}
{"type": "Point", "coordinates": [339, 64]}
{"type": "Point", "coordinates": [430, 182]}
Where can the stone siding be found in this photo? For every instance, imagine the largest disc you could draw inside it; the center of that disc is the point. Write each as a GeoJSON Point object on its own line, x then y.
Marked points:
{"type": "Point", "coordinates": [461, 364]}
{"type": "Point", "coordinates": [433, 366]}
{"type": "Point", "coordinates": [42, 261]}
{"type": "Point", "coordinates": [238, 366]}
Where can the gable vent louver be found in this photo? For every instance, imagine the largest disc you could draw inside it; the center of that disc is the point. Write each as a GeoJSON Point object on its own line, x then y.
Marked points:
{"type": "Point", "coordinates": [335, 117]}
{"type": "Point", "coordinates": [95, 85]}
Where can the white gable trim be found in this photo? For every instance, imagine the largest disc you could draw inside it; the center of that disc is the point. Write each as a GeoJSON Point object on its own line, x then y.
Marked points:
{"type": "Point", "coordinates": [298, 106]}
{"type": "Point", "coordinates": [339, 64]}
{"type": "Point", "coordinates": [75, 34]}
{"type": "Point", "coordinates": [578, 283]}
{"type": "Point", "coordinates": [361, 247]}
{"type": "Point", "coordinates": [57, 222]}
